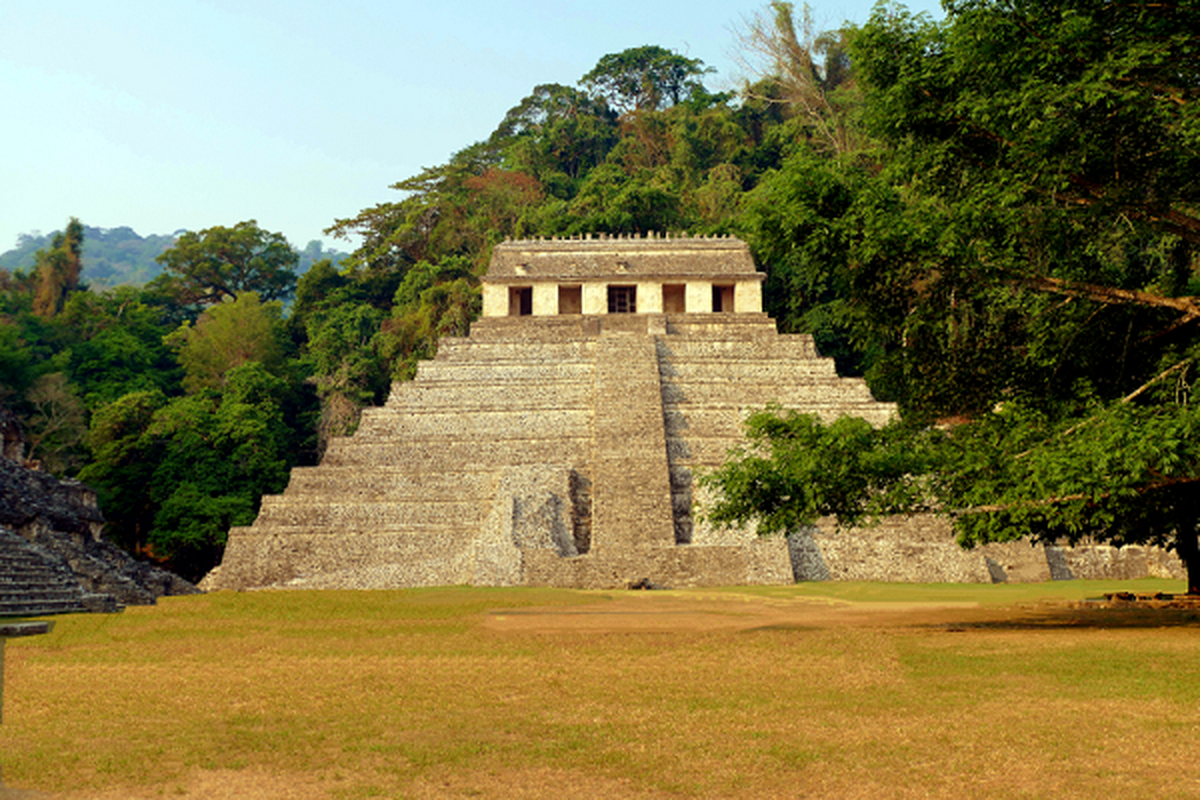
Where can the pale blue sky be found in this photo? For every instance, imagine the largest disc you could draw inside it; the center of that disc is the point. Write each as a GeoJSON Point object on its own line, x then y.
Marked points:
{"type": "Point", "coordinates": [168, 114]}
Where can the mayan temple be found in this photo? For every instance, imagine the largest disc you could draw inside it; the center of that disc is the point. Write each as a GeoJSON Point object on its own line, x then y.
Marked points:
{"type": "Point", "coordinates": [556, 445]}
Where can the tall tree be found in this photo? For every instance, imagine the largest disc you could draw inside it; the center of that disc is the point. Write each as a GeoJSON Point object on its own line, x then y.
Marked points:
{"type": "Point", "coordinates": [219, 264]}
{"type": "Point", "coordinates": [807, 72]}
{"type": "Point", "coordinates": [556, 131]}
{"type": "Point", "coordinates": [647, 78]}
{"type": "Point", "coordinates": [58, 270]}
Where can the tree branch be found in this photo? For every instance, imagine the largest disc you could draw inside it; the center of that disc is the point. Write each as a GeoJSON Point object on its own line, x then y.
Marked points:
{"type": "Point", "coordinates": [1049, 501]}
{"type": "Point", "coordinates": [1188, 306]}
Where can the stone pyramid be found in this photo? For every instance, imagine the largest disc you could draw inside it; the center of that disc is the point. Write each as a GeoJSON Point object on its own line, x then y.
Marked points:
{"type": "Point", "coordinates": [557, 445]}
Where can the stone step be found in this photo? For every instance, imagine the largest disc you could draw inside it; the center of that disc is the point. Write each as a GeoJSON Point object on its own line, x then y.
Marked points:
{"type": "Point", "coordinates": [452, 530]}
{"type": "Point", "coordinates": [31, 585]}
{"type": "Point", "coordinates": [334, 512]}
{"type": "Point", "coordinates": [33, 581]}
{"type": "Point", "coordinates": [463, 350]}
{"type": "Point", "coordinates": [467, 377]}
{"type": "Point", "coordinates": [533, 395]}
{"type": "Point", "coordinates": [353, 484]}
{"type": "Point", "coordinates": [795, 351]}
{"type": "Point", "coordinates": [440, 454]}
{"type": "Point", "coordinates": [40, 608]}
{"type": "Point", "coordinates": [755, 390]}
{"type": "Point", "coordinates": [506, 424]}
{"type": "Point", "coordinates": [757, 370]}
{"type": "Point", "coordinates": [700, 451]}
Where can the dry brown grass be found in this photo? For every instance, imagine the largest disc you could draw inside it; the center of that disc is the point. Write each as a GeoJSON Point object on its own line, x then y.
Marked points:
{"type": "Point", "coordinates": [809, 691]}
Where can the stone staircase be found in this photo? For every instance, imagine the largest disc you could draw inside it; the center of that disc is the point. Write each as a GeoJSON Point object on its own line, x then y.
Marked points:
{"type": "Point", "coordinates": [33, 586]}
{"type": "Point", "coordinates": [632, 493]}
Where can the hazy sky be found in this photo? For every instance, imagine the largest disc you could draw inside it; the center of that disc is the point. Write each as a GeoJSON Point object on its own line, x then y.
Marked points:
{"type": "Point", "coordinates": [168, 114]}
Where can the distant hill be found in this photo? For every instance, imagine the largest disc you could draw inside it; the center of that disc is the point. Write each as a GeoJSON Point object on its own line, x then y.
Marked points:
{"type": "Point", "coordinates": [120, 257]}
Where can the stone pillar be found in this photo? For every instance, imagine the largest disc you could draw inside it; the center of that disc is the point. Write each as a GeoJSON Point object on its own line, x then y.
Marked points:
{"type": "Point", "coordinates": [699, 297]}
{"type": "Point", "coordinates": [747, 297]}
{"type": "Point", "coordinates": [545, 299]}
{"type": "Point", "coordinates": [595, 298]}
{"type": "Point", "coordinates": [495, 300]}
{"type": "Point", "coordinates": [649, 298]}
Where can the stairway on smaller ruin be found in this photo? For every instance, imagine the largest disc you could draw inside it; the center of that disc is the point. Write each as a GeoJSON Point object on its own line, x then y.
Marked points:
{"type": "Point", "coordinates": [31, 585]}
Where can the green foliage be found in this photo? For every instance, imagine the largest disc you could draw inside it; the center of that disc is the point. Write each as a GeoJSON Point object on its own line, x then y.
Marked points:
{"type": "Point", "coordinates": [175, 475]}
{"type": "Point", "coordinates": [347, 369]}
{"type": "Point", "coordinates": [647, 78]}
{"type": "Point", "coordinates": [433, 301]}
{"type": "Point", "coordinates": [219, 264]}
{"type": "Point", "coordinates": [116, 346]}
{"type": "Point", "coordinates": [1127, 473]}
{"type": "Point", "coordinates": [1017, 256]}
{"type": "Point", "coordinates": [556, 135]}
{"type": "Point", "coordinates": [796, 470]}
{"type": "Point", "coordinates": [228, 336]}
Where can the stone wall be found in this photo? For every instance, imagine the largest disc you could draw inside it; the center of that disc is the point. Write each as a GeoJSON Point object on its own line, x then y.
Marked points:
{"type": "Point", "coordinates": [923, 549]}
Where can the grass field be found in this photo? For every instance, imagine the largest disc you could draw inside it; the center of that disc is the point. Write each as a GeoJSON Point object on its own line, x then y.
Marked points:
{"type": "Point", "coordinates": [815, 690]}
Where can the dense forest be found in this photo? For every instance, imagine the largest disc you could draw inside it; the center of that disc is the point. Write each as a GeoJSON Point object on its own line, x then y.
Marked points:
{"type": "Point", "coordinates": [993, 218]}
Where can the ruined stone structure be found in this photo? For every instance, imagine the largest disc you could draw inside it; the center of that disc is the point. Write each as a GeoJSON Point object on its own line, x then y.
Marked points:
{"type": "Point", "coordinates": [557, 446]}
{"type": "Point", "coordinates": [58, 522]}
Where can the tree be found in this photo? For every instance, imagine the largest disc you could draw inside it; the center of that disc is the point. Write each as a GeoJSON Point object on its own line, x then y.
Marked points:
{"type": "Point", "coordinates": [1042, 167]}
{"type": "Point", "coordinates": [435, 300]}
{"type": "Point", "coordinates": [58, 270]}
{"type": "Point", "coordinates": [795, 470]}
{"type": "Point", "coordinates": [220, 263]}
{"type": "Point", "coordinates": [115, 344]}
{"type": "Point", "coordinates": [175, 475]}
{"type": "Point", "coordinates": [807, 72]}
{"type": "Point", "coordinates": [647, 78]}
{"type": "Point", "coordinates": [556, 130]}
{"type": "Point", "coordinates": [228, 336]}
{"type": "Point", "coordinates": [56, 425]}
{"type": "Point", "coordinates": [347, 368]}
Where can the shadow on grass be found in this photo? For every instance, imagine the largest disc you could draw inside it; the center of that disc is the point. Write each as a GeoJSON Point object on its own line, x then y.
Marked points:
{"type": "Point", "coordinates": [1083, 617]}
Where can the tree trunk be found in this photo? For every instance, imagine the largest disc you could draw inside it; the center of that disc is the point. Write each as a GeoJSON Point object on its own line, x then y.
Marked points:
{"type": "Point", "coordinates": [1189, 551]}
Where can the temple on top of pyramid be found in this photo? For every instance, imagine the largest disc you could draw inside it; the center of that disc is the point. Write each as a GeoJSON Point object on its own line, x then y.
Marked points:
{"type": "Point", "coordinates": [621, 275]}
{"type": "Point", "coordinates": [557, 444]}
